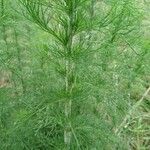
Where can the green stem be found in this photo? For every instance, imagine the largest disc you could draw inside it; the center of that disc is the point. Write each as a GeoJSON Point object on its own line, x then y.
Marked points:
{"type": "Point", "coordinates": [68, 79]}
{"type": "Point", "coordinates": [20, 66]}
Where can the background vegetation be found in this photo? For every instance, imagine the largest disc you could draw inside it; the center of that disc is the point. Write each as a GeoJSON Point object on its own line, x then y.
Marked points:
{"type": "Point", "coordinates": [74, 74]}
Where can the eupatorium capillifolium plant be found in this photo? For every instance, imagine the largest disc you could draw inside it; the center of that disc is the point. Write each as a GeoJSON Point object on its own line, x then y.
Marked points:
{"type": "Point", "coordinates": [74, 95]}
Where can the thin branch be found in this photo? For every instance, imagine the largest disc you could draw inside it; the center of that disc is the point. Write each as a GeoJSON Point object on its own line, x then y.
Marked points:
{"type": "Point", "coordinates": [123, 124]}
{"type": "Point", "coordinates": [131, 47]}
{"type": "Point", "coordinates": [76, 139]}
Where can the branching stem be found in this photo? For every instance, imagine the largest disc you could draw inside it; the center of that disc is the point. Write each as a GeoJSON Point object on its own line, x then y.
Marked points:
{"type": "Point", "coordinates": [69, 73]}
{"type": "Point", "coordinates": [134, 107]}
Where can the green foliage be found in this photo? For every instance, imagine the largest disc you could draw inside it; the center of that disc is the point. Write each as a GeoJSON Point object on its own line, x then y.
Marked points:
{"type": "Point", "coordinates": [73, 75]}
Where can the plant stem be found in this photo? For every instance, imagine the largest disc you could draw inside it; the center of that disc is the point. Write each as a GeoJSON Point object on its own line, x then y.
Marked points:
{"type": "Point", "coordinates": [68, 78]}
{"type": "Point", "coordinates": [134, 107]}
{"type": "Point", "coordinates": [20, 66]}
